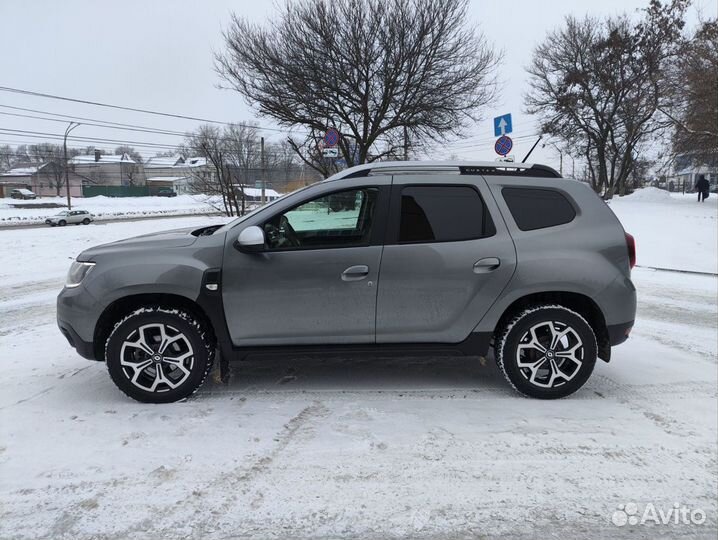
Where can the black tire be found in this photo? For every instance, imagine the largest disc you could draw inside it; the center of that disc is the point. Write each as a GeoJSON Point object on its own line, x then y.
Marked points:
{"type": "Point", "coordinates": [62, 223]}
{"type": "Point", "coordinates": [557, 372]}
{"type": "Point", "coordinates": [145, 323]}
{"type": "Point", "coordinates": [86, 221]}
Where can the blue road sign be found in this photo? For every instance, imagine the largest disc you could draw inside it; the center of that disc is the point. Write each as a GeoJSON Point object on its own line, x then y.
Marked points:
{"type": "Point", "coordinates": [331, 138]}
{"type": "Point", "coordinates": [503, 145]}
{"type": "Point", "coordinates": [502, 125]}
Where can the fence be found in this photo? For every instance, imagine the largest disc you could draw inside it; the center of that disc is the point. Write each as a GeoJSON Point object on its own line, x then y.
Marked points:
{"type": "Point", "coordinates": [115, 191]}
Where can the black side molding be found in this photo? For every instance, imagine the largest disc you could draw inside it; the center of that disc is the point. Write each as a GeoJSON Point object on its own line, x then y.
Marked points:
{"type": "Point", "coordinates": [477, 344]}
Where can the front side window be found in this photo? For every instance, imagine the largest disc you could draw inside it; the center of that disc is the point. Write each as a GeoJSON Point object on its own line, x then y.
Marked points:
{"type": "Point", "coordinates": [340, 219]}
{"type": "Point", "coordinates": [443, 214]}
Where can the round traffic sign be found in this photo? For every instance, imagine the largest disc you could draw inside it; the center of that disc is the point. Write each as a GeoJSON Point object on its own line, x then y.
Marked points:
{"type": "Point", "coordinates": [331, 137]}
{"type": "Point", "coordinates": [503, 145]}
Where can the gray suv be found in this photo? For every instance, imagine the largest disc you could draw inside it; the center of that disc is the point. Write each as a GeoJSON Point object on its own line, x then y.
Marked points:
{"type": "Point", "coordinates": [420, 256]}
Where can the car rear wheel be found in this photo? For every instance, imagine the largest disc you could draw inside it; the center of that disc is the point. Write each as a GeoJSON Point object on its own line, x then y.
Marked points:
{"type": "Point", "coordinates": [159, 355]}
{"type": "Point", "coordinates": [547, 351]}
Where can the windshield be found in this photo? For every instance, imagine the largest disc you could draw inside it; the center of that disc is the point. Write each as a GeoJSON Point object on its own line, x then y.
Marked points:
{"type": "Point", "coordinates": [62, 213]}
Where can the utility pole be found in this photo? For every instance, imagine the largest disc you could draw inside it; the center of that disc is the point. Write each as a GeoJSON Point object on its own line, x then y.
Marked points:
{"type": "Point", "coordinates": [406, 144]}
{"type": "Point", "coordinates": [72, 126]}
{"type": "Point", "coordinates": [263, 172]}
{"type": "Point", "coordinates": [560, 156]}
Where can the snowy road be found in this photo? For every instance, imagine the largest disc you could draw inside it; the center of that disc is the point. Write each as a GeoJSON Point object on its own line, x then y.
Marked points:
{"type": "Point", "coordinates": [346, 448]}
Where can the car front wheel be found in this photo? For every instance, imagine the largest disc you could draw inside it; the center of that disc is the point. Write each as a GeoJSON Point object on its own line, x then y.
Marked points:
{"type": "Point", "coordinates": [547, 351]}
{"type": "Point", "coordinates": [62, 223]}
{"type": "Point", "coordinates": [159, 355]}
{"type": "Point", "coordinates": [86, 221]}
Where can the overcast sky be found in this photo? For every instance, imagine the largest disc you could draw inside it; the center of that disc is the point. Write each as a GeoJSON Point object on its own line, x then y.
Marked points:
{"type": "Point", "coordinates": [158, 55]}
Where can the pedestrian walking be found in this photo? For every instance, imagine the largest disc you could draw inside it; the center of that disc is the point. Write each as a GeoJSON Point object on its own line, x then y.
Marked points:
{"type": "Point", "coordinates": [702, 187]}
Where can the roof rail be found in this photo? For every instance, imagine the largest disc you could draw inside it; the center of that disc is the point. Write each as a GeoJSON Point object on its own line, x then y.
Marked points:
{"type": "Point", "coordinates": [494, 168]}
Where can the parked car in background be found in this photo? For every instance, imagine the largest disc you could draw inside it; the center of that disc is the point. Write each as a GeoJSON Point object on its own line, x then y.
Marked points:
{"type": "Point", "coordinates": [66, 217]}
{"type": "Point", "coordinates": [166, 192]}
{"type": "Point", "coordinates": [22, 194]}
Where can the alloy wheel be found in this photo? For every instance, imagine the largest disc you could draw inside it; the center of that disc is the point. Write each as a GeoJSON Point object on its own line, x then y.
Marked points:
{"type": "Point", "coordinates": [156, 357]}
{"type": "Point", "coordinates": [550, 354]}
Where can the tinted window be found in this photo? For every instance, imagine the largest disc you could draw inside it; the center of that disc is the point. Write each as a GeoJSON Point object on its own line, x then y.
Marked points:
{"type": "Point", "coordinates": [337, 220]}
{"type": "Point", "coordinates": [538, 208]}
{"type": "Point", "coordinates": [443, 214]}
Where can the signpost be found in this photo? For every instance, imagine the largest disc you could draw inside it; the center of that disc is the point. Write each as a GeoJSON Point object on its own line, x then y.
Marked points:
{"type": "Point", "coordinates": [502, 125]}
{"type": "Point", "coordinates": [503, 145]}
{"type": "Point", "coordinates": [331, 139]}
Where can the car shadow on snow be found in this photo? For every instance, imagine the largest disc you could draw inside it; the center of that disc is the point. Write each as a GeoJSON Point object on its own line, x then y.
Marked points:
{"type": "Point", "coordinates": [294, 373]}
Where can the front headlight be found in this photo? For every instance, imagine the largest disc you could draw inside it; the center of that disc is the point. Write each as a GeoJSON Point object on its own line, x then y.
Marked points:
{"type": "Point", "coordinates": [77, 272]}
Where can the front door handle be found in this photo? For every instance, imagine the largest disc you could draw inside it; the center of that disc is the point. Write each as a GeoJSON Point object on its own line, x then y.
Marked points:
{"type": "Point", "coordinates": [355, 273]}
{"type": "Point", "coordinates": [488, 264]}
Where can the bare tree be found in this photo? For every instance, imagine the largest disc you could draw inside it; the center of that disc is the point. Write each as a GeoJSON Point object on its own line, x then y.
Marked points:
{"type": "Point", "coordinates": [7, 157]}
{"type": "Point", "coordinates": [694, 108]}
{"type": "Point", "coordinates": [130, 151]}
{"type": "Point", "coordinates": [597, 84]}
{"type": "Point", "coordinates": [373, 69]}
{"type": "Point", "coordinates": [242, 147]}
{"type": "Point", "coordinates": [52, 157]}
{"type": "Point", "coordinates": [209, 142]}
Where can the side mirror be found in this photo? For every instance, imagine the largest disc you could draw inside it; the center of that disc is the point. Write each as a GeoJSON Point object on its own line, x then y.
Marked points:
{"type": "Point", "coordinates": [250, 239]}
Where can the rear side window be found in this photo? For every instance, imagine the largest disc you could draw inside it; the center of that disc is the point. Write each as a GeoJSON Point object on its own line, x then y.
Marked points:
{"type": "Point", "coordinates": [538, 208]}
{"type": "Point", "coordinates": [443, 214]}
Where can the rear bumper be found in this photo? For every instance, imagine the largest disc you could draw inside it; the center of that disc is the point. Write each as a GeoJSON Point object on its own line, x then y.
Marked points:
{"type": "Point", "coordinates": [618, 333]}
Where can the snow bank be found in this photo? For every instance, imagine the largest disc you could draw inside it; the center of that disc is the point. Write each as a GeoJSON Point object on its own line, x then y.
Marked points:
{"type": "Point", "coordinates": [107, 207]}
{"type": "Point", "coordinates": [648, 194]}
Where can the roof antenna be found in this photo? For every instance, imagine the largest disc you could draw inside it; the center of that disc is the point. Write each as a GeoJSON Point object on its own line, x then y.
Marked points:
{"type": "Point", "coordinates": [532, 149]}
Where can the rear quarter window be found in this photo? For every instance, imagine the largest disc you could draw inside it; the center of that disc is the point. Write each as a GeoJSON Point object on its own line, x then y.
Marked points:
{"type": "Point", "coordinates": [534, 208]}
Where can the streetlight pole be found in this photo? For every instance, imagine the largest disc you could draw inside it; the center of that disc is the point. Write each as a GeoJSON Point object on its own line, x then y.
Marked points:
{"type": "Point", "coordinates": [72, 126]}
{"type": "Point", "coordinates": [560, 156]}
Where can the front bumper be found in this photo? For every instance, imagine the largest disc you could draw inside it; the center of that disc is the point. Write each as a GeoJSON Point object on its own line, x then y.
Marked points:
{"type": "Point", "coordinates": [83, 348]}
{"type": "Point", "coordinates": [77, 313]}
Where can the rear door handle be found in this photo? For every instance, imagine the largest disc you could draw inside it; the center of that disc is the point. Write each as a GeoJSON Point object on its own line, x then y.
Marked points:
{"type": "Point", "coordinates": [488, 264]}
{"type": "Point", "coordinates": [355, 273]}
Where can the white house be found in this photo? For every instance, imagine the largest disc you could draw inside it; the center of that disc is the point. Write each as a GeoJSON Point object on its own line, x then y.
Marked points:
{"type": "Point", "coordinates": [108, 170]}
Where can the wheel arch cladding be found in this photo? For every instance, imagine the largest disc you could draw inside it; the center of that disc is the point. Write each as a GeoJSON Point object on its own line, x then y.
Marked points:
{"type": "Point", "coordinates": [580, 303]}
{"type": "Point", "coordinates": [121, 307]}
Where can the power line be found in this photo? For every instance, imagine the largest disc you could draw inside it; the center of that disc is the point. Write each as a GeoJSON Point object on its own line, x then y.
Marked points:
{"type": "Point", "coordinates": [465, 144]}
{"type": "Point", "coordinates": [133, 109]}
{"type": "Point", "coordinates": [57, 136]}
{"type": "Point", "coordinates": [124, 108]}
{"type": "Point", "coordinates": [114, 125]}
{"type": "Point", "coordinates": [141, 130]}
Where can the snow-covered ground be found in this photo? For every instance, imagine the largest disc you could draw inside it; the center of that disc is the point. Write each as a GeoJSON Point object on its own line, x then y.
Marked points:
{"type": "Point", "coordinates": [672, 230]}
{"type": "Point", "coordinates": [106, 208]}
{"type": "Point", "coordinates": [296, 447]}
